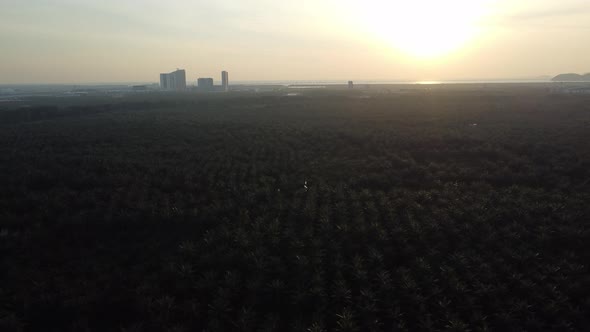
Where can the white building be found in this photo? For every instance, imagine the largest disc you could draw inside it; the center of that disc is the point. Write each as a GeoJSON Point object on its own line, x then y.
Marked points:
{"type": "Point", "coordinates": [175, 80]}
{"type": "Point", "coordinates": [225, 80]}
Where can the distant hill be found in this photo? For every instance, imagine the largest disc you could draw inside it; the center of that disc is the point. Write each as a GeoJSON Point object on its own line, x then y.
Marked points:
{"type": "Point", "coordinates": [571, 78]}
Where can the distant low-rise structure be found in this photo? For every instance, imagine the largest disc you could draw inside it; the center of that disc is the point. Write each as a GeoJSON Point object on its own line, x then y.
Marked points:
{"type": "Point", "coordinates": [571, 89]}
{"type": "Point", "coordinates": [205, 84]}
{"type": "Point", "coordinates": [578, 91]}
{"type": "Point", "coordinates": [7, 91]}
{"type": "Point", "coordinates": [175, 80]}
{"type": "Point", "coordinates": [139, 88]}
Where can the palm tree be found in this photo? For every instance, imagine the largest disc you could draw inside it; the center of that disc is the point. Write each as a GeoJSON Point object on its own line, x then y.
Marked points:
{"type": "Point", "coordinates": [345, 321]}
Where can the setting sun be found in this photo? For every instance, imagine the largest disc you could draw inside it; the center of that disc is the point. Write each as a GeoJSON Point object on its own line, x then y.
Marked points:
{"type": "Point", "coordinates": [424, 28]}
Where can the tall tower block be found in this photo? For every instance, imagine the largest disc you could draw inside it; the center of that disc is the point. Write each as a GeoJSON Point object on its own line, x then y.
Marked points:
{"type": "Point", "coordinates": [225, 80]}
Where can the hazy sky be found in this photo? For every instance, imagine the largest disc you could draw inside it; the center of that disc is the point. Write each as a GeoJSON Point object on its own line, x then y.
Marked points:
{"type": "Point", "coordinates": [69, 41]}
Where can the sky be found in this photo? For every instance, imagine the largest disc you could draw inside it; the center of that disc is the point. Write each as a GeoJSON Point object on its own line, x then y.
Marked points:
{"type": "Point", "coordinates": [92, 41]}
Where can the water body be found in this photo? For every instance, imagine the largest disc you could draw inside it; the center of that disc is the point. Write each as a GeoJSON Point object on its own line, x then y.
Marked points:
{"type": "Point", "coordinates": [383, 82]}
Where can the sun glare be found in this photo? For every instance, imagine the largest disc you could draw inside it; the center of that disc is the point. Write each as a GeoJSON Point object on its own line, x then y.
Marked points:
{"type": "Point", "coordinates": [424, 28]}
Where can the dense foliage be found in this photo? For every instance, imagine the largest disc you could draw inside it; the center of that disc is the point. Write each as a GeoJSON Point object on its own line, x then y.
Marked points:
{"type": "Point", "coordinates": [326, 212]}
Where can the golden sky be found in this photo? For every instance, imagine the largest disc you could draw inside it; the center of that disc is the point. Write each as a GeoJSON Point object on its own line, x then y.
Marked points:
{"type": "Point", "coordinates": [83, 41]}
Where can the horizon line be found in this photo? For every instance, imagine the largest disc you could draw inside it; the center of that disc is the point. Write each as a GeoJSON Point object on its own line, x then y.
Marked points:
{"type": "Point", "coordinates": [541, 78]}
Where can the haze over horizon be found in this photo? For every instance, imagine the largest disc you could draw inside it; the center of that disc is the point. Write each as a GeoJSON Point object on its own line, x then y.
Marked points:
{"type": "Point", "coordinates": [84, 41]}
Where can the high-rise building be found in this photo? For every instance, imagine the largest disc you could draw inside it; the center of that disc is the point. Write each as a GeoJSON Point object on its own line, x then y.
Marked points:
{"type": "Point", "coordinates": [205, 84]}
{"type": "Point", "coordinates": [225, 80]}
{"type": "Point", "coordinates": [175, 80]}
{"type": "Point", "coordinates": [180, 79]}
{"type": "Point", "coordinates": [164, 81]}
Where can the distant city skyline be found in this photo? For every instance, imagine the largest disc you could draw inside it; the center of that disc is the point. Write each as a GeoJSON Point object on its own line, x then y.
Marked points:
{"type": "Point", "coordinates": [89, 41]}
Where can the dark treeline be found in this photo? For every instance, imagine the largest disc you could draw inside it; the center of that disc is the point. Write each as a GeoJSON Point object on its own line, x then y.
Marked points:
{"type": "Point", "coordinates": [49, 112]}
{"type": "Point", "coordinates": [416, 212]}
